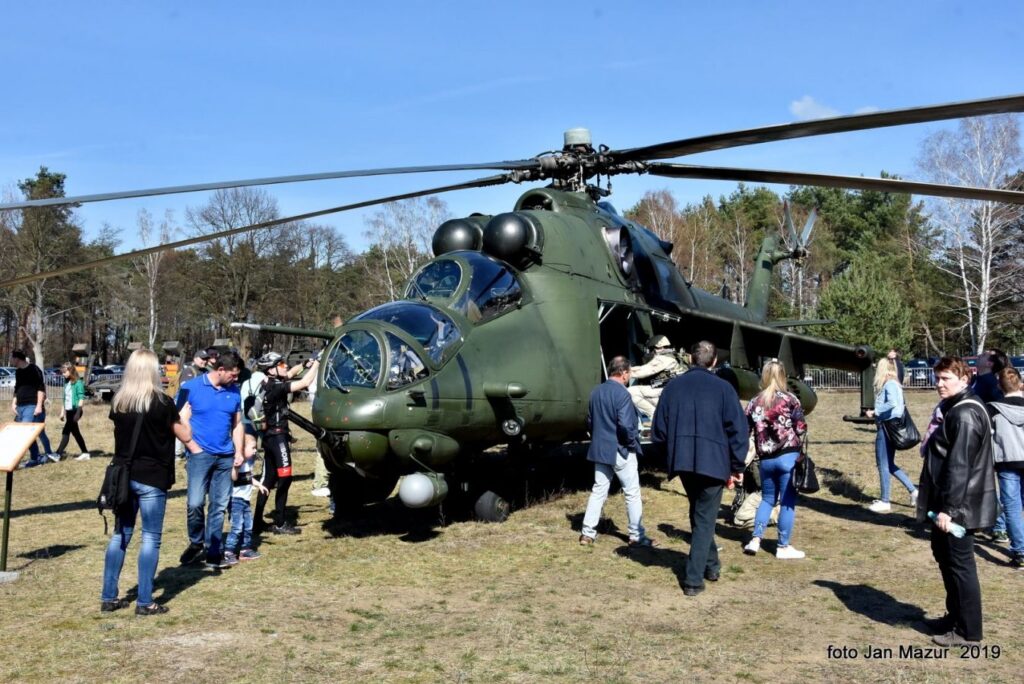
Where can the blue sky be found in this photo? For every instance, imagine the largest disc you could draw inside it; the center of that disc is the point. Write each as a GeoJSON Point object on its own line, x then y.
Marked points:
{"type": "Point", "coordinates": [128, 95]}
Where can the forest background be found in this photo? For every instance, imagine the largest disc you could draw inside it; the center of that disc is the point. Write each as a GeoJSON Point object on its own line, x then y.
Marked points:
{"type": "Point", "coordinates": [926, 277]}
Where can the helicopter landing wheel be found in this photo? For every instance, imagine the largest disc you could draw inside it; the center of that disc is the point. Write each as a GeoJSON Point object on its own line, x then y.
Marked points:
{"type": "Point", "coordinates": [491, 508]}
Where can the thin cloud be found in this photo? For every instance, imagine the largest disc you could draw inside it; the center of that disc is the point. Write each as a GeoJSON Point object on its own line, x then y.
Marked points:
{"type": "Point", "coordinates": [867, 110]}
{"type": "Point", "coordinates": [809, 108]}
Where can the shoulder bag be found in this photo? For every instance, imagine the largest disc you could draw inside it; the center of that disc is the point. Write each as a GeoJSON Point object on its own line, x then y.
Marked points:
{"type": "Point", "coordinates": [901, 432]}
{"type": "Point", "coordinates": [805, 477]}
{"type": "Point", "coordinates": [116, 491]}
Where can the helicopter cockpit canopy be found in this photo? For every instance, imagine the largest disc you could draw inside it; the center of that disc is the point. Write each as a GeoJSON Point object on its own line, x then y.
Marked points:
{"type": "Point", "coordinates": [474, 284]}
{"type": "Point", "coordinates": [433, 329]}
{"type": "Point", "coordinates": [358, 358]}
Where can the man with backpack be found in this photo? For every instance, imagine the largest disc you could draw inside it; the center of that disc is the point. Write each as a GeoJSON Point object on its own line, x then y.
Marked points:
{"type": "Point", "coordinates": [269, 414]}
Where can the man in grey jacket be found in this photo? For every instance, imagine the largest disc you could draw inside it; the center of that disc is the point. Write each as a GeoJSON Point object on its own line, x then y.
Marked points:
{"type": "Point", "coordinates": [958, 486]}
{"type": "Point", "coordinates": [1008, 452]}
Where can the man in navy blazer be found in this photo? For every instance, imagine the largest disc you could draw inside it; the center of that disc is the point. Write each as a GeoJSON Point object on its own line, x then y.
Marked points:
{"type": "Point", "coordinates": [700, 425]}
{"type": "Point", "coordinates": [614, 446]}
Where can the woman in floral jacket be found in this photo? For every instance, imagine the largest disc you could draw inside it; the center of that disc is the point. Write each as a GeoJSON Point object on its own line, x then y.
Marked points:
{"type": "Point", "coordinates": [777, 424]}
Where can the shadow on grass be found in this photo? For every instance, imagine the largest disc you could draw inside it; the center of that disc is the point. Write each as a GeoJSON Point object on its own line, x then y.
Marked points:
{"type": "Point", "coordinates": [856, 512]}
{"type": "Point", "coordinates": [840, 484]}
{"type": "Point", "coordinates": [658, 558]}
{"type": "Point", "coordinates": [983, 549]}
{"type": "Point", "coordinates": [876, 605]}
{"type": "Point", "coordinates": [388, 517]}
{"type": "Point", "coordinates": [605, 526]}
{"type": "Point", "coordinates": [71, 506]}
{"type": "Point", "coordinates": [175, 579]}
{"type": "Point", "coordinates": [46, 553]}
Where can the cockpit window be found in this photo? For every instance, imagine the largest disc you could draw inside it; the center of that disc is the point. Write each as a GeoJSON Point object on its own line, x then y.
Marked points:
{"type": "Point", "coordinates": [404, 365]}
{"type": "Point", "coordinates": [354, 362]}
{"type": "Point", "coordinates": [427, 325]}
{"type": "Point", "coordinates": [493, 289]}
{"type": "Point", "coordinates": [437, 280]}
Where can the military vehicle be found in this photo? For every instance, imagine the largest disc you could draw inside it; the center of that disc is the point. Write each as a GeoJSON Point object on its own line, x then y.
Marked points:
{"type": "Point", "coordinates": [500, 338]}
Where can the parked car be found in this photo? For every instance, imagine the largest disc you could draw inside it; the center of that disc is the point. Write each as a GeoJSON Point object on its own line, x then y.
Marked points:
{"type": "Point", "coordinates": [7, 376]}
{"type": "Point", "coordinates": [1017, 362]}
{"type": "Point", "coordinates": [114, 368]}
{"type": "Point", "coordinates": [972, 363]}
{"type": "Point", "coordinates": [919, 373]}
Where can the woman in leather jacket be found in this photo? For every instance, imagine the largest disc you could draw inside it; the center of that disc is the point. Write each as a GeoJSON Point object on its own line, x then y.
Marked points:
{"type": "Point", "coordinates": [958, 485]}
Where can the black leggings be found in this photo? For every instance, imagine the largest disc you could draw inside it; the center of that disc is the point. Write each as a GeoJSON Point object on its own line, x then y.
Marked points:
{"type": "Point", "coordinates": [71, 419]}
{"type": "Point", "coordinates": [277, 472]}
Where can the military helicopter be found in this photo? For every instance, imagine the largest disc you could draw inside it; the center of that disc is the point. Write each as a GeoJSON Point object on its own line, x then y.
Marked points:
{"type": "Point", "coordinates": [499, 338]}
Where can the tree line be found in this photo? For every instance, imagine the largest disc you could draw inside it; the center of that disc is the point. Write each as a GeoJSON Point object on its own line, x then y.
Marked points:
{"type": "Point", "coordinates": [941, 276]}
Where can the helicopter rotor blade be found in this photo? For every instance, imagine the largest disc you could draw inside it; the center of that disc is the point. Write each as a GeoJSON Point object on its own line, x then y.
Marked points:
{"type": "Point", "coordinates": [839, 124]}
{"type": "Point", "coordinates": [105, 261]}
{"type": "Point", "coordinates": [811, 218]}
{"type": "Point", "coordinates": [833, 181]}
{"type": "Point", "coordinates": [788, 219]}
{"type": "Point", "coordinates": [526, 164]}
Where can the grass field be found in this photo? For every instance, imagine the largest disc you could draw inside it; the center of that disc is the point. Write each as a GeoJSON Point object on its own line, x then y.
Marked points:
{"type": "Point", "coordinates": [387, 597]}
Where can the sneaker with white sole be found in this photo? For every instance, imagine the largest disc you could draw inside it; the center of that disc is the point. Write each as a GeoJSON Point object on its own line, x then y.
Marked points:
{"type": "Point", "coordinates": [789, 553]}
{"type": "Point", "coordinates": [752, 547]}
{"type": "Point", "coordinates": [321, 491]}
{"type": "Point", "coordinates": [53, 457]}
{"type": "Point", "coordinates": [84, 456]}
{"type": "Point", "coordinates": [913, 499]}
{"type": "Point", "coordinates": [880, 507]}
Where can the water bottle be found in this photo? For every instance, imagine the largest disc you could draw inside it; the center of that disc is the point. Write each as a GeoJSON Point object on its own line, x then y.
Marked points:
{"type": "Point", "coordinates": [957, 531]}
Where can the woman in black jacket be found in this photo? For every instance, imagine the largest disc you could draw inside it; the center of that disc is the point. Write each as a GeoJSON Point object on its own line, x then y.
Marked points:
{"type": "Point", "coordinates": [146, 422]}
{"type": "Point", "coordinates": [957, 486]}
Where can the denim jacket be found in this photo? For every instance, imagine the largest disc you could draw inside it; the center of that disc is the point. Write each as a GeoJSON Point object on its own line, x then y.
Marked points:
{"type": "Point", "coordinates": [889, 402]}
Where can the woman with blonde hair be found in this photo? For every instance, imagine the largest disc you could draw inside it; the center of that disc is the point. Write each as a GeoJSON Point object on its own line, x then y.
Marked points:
{"type": "Point", "coordinates": [146, 422]}
{"type": "Point", "coordinates": [889, 404]}
{"type": "Point", "coordinates": [778, 427]}
{"type": "Point", "coordinates": [74, 394]}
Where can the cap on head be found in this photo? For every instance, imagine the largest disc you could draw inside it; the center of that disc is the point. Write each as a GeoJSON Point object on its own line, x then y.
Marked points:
{"type": "Point", "coordinates": [269, 360]}
{"type": "Point", "coordinates": [18, 354]}
{"type": "Point", "coordinates": [201, 354]}
{"type": "Point", "coordinates": [212, 353]}
{"type": "Point", "coordinates": [659, 342]}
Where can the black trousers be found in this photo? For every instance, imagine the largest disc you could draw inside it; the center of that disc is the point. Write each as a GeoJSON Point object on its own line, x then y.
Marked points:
{"type": "Point", "coordinates": [960, 577]}
{"type": "Point", "coordinates": [71, 429]}
{"type": "Point", "coordinates": [705, 495]}
{"type": "Point", "coordinates": [277, 474]}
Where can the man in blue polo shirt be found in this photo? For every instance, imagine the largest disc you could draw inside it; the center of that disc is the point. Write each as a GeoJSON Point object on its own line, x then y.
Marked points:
{"type": "Point", "coordinates": [215, 405]}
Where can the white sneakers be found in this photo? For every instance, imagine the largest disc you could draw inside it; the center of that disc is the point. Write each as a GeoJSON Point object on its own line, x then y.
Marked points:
{"type": "Point", "coordinates": [84, 456]}
{"type": "Point", "coordinates": [880, 507]}
{"type": "Point", "coordinates": [321, 491]}
{"type": "Point", "coordinates": [53, 457]}
{"type": "Point", "coordinates": [913, 498]}
{"type": "Point", "coordinates": [782, 552]}
{"type": "Point", "coordinates": [789, 553]}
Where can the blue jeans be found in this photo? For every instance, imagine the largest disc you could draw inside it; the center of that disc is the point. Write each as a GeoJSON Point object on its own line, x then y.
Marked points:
{"type": "Point", "coordinates": [152, 502]}
{"type": "Point", "coordinates": [626, 470]}
{"type": "Point", "coordinates": [25, 415]}
{"type": "Point", "coordinates": [777, 487]}
{"type": "Point", "coordinates": [241, 525]}
{"type": "Point", "coordinates": [885, 455]}
{"type": "Point", "coordinates": [1010, 498]}
{"type": "Point", "coordinates": [208, 474]}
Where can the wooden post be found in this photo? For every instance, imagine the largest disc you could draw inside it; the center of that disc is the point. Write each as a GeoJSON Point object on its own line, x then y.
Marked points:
{"type": "Point", "coordinates": [15, 439]}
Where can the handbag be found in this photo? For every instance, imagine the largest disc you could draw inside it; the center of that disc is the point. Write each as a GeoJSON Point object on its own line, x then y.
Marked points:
{"type": "Point", "coordinates": [805, 477]}
{"type": "Point", "coordinates": [901, 432]}
{"type": "Point", "coordinates": [116, 492]}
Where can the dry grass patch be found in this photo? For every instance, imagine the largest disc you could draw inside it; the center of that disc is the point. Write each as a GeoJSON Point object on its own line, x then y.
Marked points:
{"type": "Point", "coordinates": [516, 602]}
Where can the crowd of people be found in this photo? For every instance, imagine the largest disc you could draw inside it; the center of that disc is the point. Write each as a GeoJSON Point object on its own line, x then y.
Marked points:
{"type": "Point", "coordinates": [202, 424]}
{"type": "Point", "coordinates": [974, 438]}
{"type": "Point", "coordinates": [970, 483]}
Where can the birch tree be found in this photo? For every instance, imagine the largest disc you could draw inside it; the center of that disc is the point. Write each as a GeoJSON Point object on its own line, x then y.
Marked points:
{"type": "Point", "coordinates": [982, 152]}
{"type": "Point", "coordinates": [402, 232]}
{"type": "Point", "coordinates": [148, 266]}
